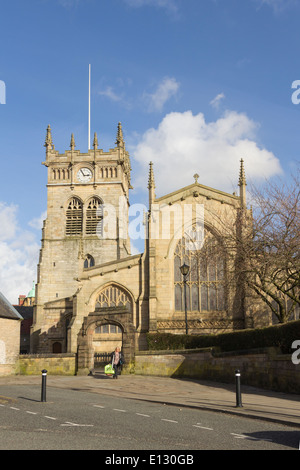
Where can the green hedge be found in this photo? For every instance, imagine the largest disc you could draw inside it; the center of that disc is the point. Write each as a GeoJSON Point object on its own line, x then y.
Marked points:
{"type": "Point", "coordinates": [281, 336]}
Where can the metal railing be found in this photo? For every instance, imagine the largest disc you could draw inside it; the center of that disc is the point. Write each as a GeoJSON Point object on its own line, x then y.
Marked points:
{"type": "Point", "coordinates": [101, 358]}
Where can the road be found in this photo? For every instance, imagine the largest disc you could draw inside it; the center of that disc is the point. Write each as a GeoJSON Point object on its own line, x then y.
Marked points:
{"type": "Point", "coordinates": [77, 420]}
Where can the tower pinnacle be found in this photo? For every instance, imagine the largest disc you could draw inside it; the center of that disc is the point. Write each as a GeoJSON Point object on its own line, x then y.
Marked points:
{"type": "Point", "coordinates": [95, 142]}
{"type": "Point", "coordinates": [120, 138]}
{"type": "Point", "coordinates": [151, 185]}
{"type": "Point", "coordinates": [242, 184]}
{"type": "Point", "coordinates": [242, 178]}
{"type": "Point", "coordinates": [72, 144]}
{"type": "Point", "coordinates": [48, 141]}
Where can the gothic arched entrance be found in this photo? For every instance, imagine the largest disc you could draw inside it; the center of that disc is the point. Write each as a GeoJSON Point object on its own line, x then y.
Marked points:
{"type": "Point", "coordinates": [107, 337]}
{"type": "Point", "coordinates": [110, 325]}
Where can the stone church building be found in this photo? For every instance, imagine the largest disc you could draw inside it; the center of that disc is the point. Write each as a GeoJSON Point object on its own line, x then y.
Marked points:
{"type": "Point", "coordinates": [92, 294]}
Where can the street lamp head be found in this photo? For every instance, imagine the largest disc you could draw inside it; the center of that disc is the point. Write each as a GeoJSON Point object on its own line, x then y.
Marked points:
{"type": "Point", "coordinates": [184, 269]}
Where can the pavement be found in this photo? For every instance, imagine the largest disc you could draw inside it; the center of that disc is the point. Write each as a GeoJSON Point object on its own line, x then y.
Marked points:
{"type": "Point", "coordinates": [210, 396]}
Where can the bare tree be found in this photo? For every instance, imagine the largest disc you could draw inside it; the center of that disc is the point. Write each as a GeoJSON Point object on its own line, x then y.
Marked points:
{"type": "Point", "coordinates": [270, 253]}
{"type": "Point", "coordinates": [264, 246]}
{"type": "Point", "coordinates": [259, 247]}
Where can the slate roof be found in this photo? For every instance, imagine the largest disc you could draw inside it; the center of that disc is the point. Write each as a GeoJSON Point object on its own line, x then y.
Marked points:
{"type": "Point", "coordinates": [7, 310]}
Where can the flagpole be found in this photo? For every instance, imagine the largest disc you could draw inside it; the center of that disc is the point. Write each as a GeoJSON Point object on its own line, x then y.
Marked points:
{"type": "Point", "coordinates": [89, 131]}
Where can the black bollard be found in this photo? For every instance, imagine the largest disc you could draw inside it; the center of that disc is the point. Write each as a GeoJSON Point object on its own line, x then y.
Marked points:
{"type": "Point", "coordinates": [44, 378]}
{"type": "Point", "coordinates": [238, 389]}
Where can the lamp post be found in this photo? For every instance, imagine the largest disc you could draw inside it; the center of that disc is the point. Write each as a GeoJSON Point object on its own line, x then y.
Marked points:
{"type": "Point", "coordinates": [184, 271]}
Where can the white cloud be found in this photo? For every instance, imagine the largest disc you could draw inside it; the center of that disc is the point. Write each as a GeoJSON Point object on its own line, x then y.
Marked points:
{"type": "Point", "coordinates": [184, 144]}
{"type": "Point", "coordinates": [37, 222]}
{"type": "Point", "coordinates": [7, 221]}
{"type": "Point", "coordinates": [169, 5]}
{"type": "Point", "coordinates": [278, 5]}
{"type": "Point", "coordinates": [164, 91]}
{"type": "Point", "coordinates": [109, 93]}
{"type": "Point", "coordinates": [19, 252]}
{"type": "Point", "coordinates": [216, 101]}
{"type": "Point", "coordinates": [69, 3]}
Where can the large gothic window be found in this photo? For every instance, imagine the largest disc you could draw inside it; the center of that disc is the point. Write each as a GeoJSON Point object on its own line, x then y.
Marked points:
{"type": "Point", "coordinates": [74, 217]}
{"type": "Point", "coordinates": [94, 217]}
{"type": "Point", "coordinates": [205, 281]}
{"type": "Point", "coordinates": [114, 296]}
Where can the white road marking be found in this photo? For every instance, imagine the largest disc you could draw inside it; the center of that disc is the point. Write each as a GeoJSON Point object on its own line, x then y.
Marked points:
{"type": "Point", "coordinates": [98, 406]}
{"type": "Point", "coordinates": [31, 412]}
{"type": "Point", "coordinates": [243, 436]}
{"type": "Point", "coordinates": [13, 408]}
{"type": "Point", "coordinates": [67, 423]}
{"type": "Point", "coordinates": [116, 409]}
{"type": "Point", "coordinates": [202, 427]}
{"type": "Point", "coordinates": [169, 420]}
{"type": "Point", "coordinates": [49, 417]}
{"type": "Point", "coordinates": [141, 414]}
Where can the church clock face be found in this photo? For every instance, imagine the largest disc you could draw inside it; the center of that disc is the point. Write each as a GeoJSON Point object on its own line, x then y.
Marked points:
{"type": "Point", "coordinates": [84, 175]}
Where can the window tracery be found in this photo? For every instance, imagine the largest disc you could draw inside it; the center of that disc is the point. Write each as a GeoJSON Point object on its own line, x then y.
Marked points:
{"type": "Point", "coordinates": [205, 283]}
{"type": "Point", "coordinates": [108, 328]}
{"type": "Point", "coordinates": [89, 262]}
{"type": "Point", "coordinates": [114, 296]}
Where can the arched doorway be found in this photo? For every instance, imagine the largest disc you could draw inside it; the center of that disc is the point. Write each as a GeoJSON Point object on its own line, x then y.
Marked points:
{"type": "Point", "coordinates": [56, 347]}
{"type": "Point", "coordinates": [106, 338]}
{"type": "Point", "coordinates": [109, 325]}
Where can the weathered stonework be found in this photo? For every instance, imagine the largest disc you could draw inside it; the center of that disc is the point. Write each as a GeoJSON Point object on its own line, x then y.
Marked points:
{"type": "Point", "coordinates": [79, 265]}
{"type": "Point", "coordinates": [266, 369]}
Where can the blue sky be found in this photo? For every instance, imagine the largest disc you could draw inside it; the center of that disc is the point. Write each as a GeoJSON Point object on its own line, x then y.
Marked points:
{"type": "Point", "coordinates": [197, 85]}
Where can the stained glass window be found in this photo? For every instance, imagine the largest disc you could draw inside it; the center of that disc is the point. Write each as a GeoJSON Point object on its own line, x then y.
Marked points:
{"type": "Point", "coordinates": [205, 281]}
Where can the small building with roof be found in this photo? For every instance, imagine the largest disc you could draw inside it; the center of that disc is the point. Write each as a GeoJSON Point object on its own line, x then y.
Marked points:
{"type": "Point", "coordinates": [10, 328]}
{"type": "Point", "coordinates": [25, 309]}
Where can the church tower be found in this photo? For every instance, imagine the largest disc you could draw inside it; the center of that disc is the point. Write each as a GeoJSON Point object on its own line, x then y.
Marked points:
{"type": "Point", "coordinates": [87, 218]}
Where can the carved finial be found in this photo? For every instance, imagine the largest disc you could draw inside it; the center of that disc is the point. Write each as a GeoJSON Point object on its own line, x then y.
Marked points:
{"type": "Point", "coordinates": [151, 182]}
{"type": "Point", "coordinates": [196, 176]}
{"type": "Point", "coordinates": [48, 141]}
{"type": "Point", "coordinates": [242, 178]}
{"type": "Point", "coordinates": [95, 143]}
{"type": "Point", "coordinates": [151, 185]}
{"type": "Point", "coordinates": [72, 144]}
{"type": "Point", "coordinates": [120, 139]}
{"type": "Point", "coordinates": [242, 184]}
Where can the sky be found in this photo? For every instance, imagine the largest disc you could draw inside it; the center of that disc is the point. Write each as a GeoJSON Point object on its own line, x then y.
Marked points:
{"type": "Point", "coordinates": [196, 84]}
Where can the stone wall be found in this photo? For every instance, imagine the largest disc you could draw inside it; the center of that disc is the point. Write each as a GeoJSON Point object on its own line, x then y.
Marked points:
{"type": "Point", "coordinates": [55, 364]}
{"type": "Point", "coordinates": [259, 368]}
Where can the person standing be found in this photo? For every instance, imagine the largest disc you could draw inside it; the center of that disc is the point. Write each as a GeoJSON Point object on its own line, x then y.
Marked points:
{"type": "Point", "coordinates": [117, 360]}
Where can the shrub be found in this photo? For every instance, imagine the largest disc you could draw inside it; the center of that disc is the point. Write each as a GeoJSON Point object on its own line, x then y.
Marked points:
{"type": "Point", "coordinates": [281, 336]}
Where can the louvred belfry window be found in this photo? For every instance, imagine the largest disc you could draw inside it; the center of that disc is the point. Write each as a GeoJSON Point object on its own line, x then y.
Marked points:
{"type": "Point", "coordinates": [94, 216]}
{"type": "Point", "coordinates": [74, 217]}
